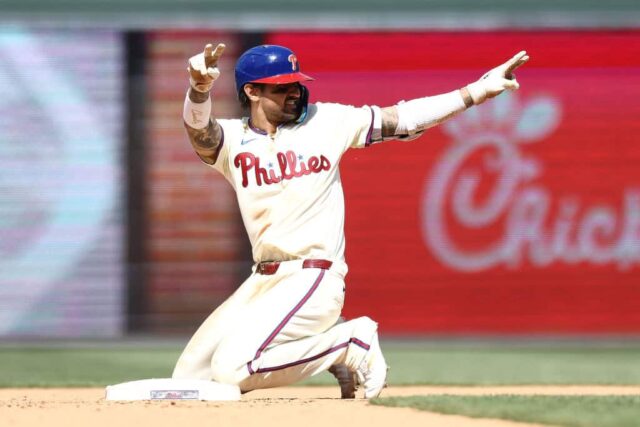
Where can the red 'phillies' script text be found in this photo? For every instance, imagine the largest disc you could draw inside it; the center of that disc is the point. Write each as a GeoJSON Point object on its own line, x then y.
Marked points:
{"type": "Point", "coordinates": [289, 164]}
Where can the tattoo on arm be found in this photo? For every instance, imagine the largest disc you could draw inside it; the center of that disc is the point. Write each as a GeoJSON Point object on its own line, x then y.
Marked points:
{"type": "Point", "coordinates": [206, 140]}
{"type": "Point", "coordinates": [198, 97]}
{"type": "Point", "coordinates": [389, 121]}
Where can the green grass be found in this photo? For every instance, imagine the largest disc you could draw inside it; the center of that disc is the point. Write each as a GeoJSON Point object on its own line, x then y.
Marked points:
{"type": "Point", "coordinates": [494, 365]}
{"type": "Point", "coordinates": [53, 367]}
{"type": "Point", "coordinates": [435, 363]}
{"type": "Point", "coordinates": [569, 411]}
{"type": "Point", "coordinates": [514, 364]}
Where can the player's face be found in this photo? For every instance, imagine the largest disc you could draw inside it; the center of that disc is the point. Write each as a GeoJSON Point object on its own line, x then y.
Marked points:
{"type": "Point", "coordinates": [280, 103]}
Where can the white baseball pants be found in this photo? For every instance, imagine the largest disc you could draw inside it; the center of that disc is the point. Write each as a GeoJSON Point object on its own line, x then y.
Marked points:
{"type": "Point", "coordinates": [276, 330]}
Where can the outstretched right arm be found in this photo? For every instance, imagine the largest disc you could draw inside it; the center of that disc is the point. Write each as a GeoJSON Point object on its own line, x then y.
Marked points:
{"type": "Point", "coordinates": [205, 133]}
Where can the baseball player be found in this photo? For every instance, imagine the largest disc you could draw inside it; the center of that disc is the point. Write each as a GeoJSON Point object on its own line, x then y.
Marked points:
{"type": "Point", "coordinates": [281, 325]}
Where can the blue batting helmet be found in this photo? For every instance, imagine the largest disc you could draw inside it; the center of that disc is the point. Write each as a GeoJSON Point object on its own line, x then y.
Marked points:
{"type": "Point", "coordinates": [268, 64]}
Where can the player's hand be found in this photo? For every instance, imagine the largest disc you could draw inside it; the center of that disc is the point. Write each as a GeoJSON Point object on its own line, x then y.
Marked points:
{"type": "Point", "coordinates": [203, 70]}
{"type": "Point", "coordinates": [497, 80]}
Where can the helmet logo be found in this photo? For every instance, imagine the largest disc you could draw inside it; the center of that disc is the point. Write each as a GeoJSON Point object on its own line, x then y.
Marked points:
{"type": "Point", "coordinates": [294, 62]}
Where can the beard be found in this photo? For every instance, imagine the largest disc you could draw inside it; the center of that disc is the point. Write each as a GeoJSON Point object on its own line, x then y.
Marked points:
{"type": "Point", "coordinates": [291, 111]}
{"type": "Point", "coordinates": [294, 109]}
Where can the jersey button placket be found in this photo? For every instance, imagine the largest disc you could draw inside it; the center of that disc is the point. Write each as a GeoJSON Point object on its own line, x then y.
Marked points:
{"type": "Point", "coordinates": [273, 151]}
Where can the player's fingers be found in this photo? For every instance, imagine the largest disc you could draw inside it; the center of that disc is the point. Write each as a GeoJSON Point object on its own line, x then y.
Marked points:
{"type": "Point", "coordinates": [519, 63]}
{"type": "Point", "coordinates": [519, 59]}
{"type": "Point", "coordinates": [208, 49]}
{"type": "Point", "coordinates": [213, 72]}
{"type": "Point", "coordinates": [211, 58]}
{"type": "Point", "coordinates": [511, 84]}
{"type": "Point", "coordinates": [516, 57]}
{"type": "Point", "coordinates": [195, 73]}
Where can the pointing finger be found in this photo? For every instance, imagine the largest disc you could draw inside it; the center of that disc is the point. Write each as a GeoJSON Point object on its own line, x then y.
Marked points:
{"type": "Point", "coordinates": [517, 57]}
{"type": "Point", "coordinates": [211, 56]}
{"type": "Point", "coordinates": [518, 60]}
{"type": "Point", "coordinates": [218, 52]}
{"type": "Point", "coordinates": [208, 49]}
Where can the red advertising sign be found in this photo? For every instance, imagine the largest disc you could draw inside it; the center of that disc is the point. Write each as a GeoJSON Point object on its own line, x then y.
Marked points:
{"type": "Point", "coordinates": [518, 216]}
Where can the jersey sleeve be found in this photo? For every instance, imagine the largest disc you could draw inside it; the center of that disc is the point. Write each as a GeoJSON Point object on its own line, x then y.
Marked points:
{"type": "Point", "coordinates": [363, 126]}
{"type": "Point", "coordinates": [354, 127]}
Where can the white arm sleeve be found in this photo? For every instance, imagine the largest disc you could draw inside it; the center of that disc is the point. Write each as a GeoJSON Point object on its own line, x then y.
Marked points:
{"type": "Point", "coordinates": [196, 115]}
{"type": "Point", "coordinates": [419, 114]}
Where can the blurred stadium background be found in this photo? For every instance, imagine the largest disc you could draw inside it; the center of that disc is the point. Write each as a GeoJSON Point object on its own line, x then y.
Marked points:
{"type": "Point", "coordinates": [519, 219]}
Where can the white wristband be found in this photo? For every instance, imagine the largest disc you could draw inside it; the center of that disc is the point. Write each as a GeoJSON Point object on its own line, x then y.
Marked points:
{"type": "Point", "coordinates": [419, 114]}
{"type": "Point", "coordinates": [196, 115]}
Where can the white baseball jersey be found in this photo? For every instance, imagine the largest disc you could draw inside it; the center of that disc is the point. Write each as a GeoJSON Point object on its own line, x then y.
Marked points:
{"type": "Point", "coordinates": [288, 185]}
{"type": "Point", "coordinates": [279, 328]}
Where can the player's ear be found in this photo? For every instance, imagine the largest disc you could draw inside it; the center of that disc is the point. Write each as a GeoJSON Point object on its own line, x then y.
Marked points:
{"type": "Point", "coordinates": [252, 91]}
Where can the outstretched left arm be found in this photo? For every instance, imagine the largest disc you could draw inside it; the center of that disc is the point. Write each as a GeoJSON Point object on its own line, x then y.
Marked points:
{"type": "Point", "coordinates": [417, 115]}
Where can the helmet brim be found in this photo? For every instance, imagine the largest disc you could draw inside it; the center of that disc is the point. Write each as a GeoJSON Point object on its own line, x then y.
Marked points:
{"type": "Point", "coordinates": [284, 79]}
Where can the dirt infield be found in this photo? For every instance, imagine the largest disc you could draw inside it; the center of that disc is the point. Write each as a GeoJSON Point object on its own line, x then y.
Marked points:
{"type": "Point", "coordinates": [290, 406]}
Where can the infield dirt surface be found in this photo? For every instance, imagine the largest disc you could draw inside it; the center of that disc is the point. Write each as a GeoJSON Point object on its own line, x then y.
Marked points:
{"type": "Point", "coordinates": [288, 406]}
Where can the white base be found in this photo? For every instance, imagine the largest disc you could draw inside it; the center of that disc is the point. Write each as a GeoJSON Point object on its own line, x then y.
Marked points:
{"type": "Point", "coordinates": [172, 389]}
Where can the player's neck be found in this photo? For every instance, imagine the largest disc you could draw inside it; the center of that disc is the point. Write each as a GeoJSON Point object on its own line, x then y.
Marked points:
{"type": "Point", "coordinates": [260, 121]}
{"type": "Point", "coordinates": [263, 124]}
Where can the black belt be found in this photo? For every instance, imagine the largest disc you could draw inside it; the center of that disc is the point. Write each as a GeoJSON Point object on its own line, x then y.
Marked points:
{"type": "Point", "coordinates": [270, 267]}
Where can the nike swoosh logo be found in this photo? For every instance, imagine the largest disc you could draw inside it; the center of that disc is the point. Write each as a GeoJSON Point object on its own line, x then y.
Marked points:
{"type": "Point", "coordinates": [246, 141]}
